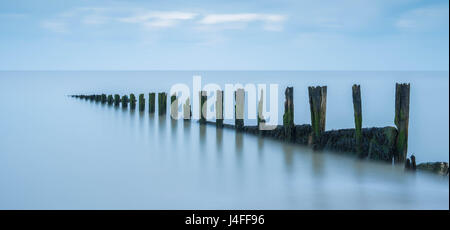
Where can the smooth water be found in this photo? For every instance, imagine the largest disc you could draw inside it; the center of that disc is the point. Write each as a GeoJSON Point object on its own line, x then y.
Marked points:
{"type": "Point", "coordinates": [58, 152]}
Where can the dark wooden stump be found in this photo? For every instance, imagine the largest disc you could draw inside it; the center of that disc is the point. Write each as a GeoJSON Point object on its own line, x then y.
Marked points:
{"type": "Point", "coordinates": [187, 113]}
{"type": "Point", "coordinates": [288, 116]}
{"type": "Point", "coordinates": [151, 102]}
{"type": "Point", "coordinates": [141, 102]}
{"type": "Point", "coordinates": [132, 101]}
{"type": "Point", "coordinates": [162, 103]}
{"type": "Point", "coordinates": [116, 99]}
{"type": "Point", "coordinates": [356, 92]}
{"type": "Point", "coordinates": [203, 106]}
{"type": "Point", "coordinates": [125, 101]}
{"type": "Point", "coordinates": [219, 108]}
{"type": "Point", "coordinates": [174, 106]}
{"type": "Point", "coordinates": [318, 106]}
{"type": "Point", "coordinates": [401, 121]}
{"type": "Point", "coordinates": [239, 97]}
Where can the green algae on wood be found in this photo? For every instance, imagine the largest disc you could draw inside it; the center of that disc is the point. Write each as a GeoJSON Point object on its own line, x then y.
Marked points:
{"type": "Point", "coordinates": [151, 102]}
{"type": "Point", "coordinates": [187, 112]}
{"type": "Point", "coordinates": [219, 108]}
{"type": "Point", "coordinates": [356, 94]}
{"type": "Point", "coordinates": [141, 102]}
{"type": "Point", "coordinates": [261, 121]}
{"type": "Point", "coordinates": [239, 97]}
{"type": "Point", "coordinates": [103, 98]}
{"type": "Point", "coordinates": [116, 99]}
{"type": "Point", "coordinates": [132, 101]}
{"type": "Point", "coordinates": [401, 120]}
{"type": "Point", "coordinates": [288, 116]}
{"type": "Point", "coordinates": [174, 106]}
{"type": "Point", "coordinates": [318, 102]}
{"type": "Point", "coordinates": [125, 101]}
{"type": "Point", "coordinates": [203, 106]}
{"type": "Point", "coordinates": [110, 99]}
{"type": "Point", "coordinates": [162, 103]}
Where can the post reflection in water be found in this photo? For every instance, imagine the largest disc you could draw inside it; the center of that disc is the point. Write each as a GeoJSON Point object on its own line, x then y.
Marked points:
{"type": "Point", "coordinates": [288, 155]}
{"type": "Point", "coordinates": [219, 139]}
{"type": "Point", "coordinates": [202, 137]}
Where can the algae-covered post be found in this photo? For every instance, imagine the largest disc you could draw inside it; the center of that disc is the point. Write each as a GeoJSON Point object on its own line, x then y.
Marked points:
{"type": "Point", "coordinates": [132, 101]}
{"type": "Point", "coordinates": [318, 106]}
{"type": "Point", "coordinates": [356, 93]}
{"type": "Point", "coordinates": [103, 98]}
{"type": "Point", "coordinates": [261, 120]}
{"type": "Point", "coordinates": [116, 99]}
{"type": "Point", "coordinates": [174, 106]}
{"type": "Point", "coordinates": [219, 108]}
{"type": "Point", "coordinates": [141, 102]}
{"type": "Point", "coordinates": [187, 110]}
{"type": "Point", "coordinates": [239, 97]}
{"type": "Point", "coordinates": [110, 99]}
{"type": "Point", "coordinates": [151, 102]}
{"type": "Point", "coordinates": [203, 104]}
{"type": "Point", "coordinates": [288, 117]}
{"type": "Point", "coordinates": [401, 121]}
{"type": "Point", "coordinates": [125, 101]}
{"type": "Point", "coordinates": [162, 103]}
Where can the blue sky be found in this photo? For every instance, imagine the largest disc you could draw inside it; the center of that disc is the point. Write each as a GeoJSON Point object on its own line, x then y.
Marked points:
{"type": "Point", "coordinates": [224, 35]}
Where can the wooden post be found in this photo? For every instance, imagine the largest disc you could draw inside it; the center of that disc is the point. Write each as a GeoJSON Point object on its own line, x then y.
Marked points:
{"type": "Point", "coordinates": [151, 102]}
{"type": "Point", "coordinates": [203, 108]}
{"type": "Point", "coordinates": [261, 120]}
{"type": "Point", "coordinates": [239, 97]}
{"type": "Point", "coordinates": [356, 93]}
{"type": "Point", "coordinates": [125, 101]}
{"type": "Point", "coordinates": [162, 103]}
{"type": "Point", "coordinates": [110, 99]}
{"type": "Point", "coordinates": [219, 108]}
{"type": "Point", "coordinates": [318, 106]}
{"type": "Point", "coordinates": [116, 99]}
{"type": "Point", "coordinates": [141, 102]}
{"type": "Point", "coordinates": [132, 101]}
{"type": "Point", "coordinates": [187, 110]}
{"type": "Point", "coordinates": [401, 121]}
{"type": "Point", "coordinates": [103, 98]}
{"type": "Point", "coordinates": [288, 117]}
{"type": "Point", "coordinates": [174, 106]}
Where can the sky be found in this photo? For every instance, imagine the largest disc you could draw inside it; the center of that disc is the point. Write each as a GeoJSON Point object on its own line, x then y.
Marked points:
{"type": "Point", "coordinates": [224, 35]}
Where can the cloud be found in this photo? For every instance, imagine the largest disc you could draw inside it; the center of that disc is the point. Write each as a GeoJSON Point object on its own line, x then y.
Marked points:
{"type": "Point", "coordinates": [55, 26]}
{"type": "Point", "coordinates": [158, 19]}
{"type": "Point", "coordinates": [271, 22]}
{"type": "Point", "coordinates": [424, 19]}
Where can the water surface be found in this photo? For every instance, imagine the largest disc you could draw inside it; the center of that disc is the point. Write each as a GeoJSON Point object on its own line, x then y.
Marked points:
{"type": "Point", "coordinates": [58, 152]}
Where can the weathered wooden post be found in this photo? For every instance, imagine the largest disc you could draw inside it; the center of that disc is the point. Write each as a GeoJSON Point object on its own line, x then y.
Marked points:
{"type": "Point", "coordinates": [203, 106]}
{"type": "Point", "coordinates": [103, 98]}
{"type": "Point", "coordinates": [356, 93]}
{"type": "Point", "coordinates": [110, 99]}
{"type": "Point", "coordinates": [239, 97]}
{"type": "Point", "coordinates": [151, 102]}
{"type": "Point", "coordinates": [116, 99]}
{"type": "Point", "coordinates": [141, 102]}
{"type": "Point", "coordinates": [132, 101]}
{"type": "Point", "coordinates": [261, 120]}
{"type": "Point", "coordinates": [318, 106]}
{"type": "Point", "coordinates": [174, 106]}
{"type": "Point", "coordinates": [219, 108]}
{"type": "Point", "coordinates": [401, 121]}
{"type": "Point", "coordinates": [288, 117]}
{"type": "Point", "coordinates": [98, 98]}
{"type": "Point", "coordinates": [125, 101]}
{"type": "Point", "coordinates": [187, 110]}
{"type": "Point", "coordinates": [162, 103]}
